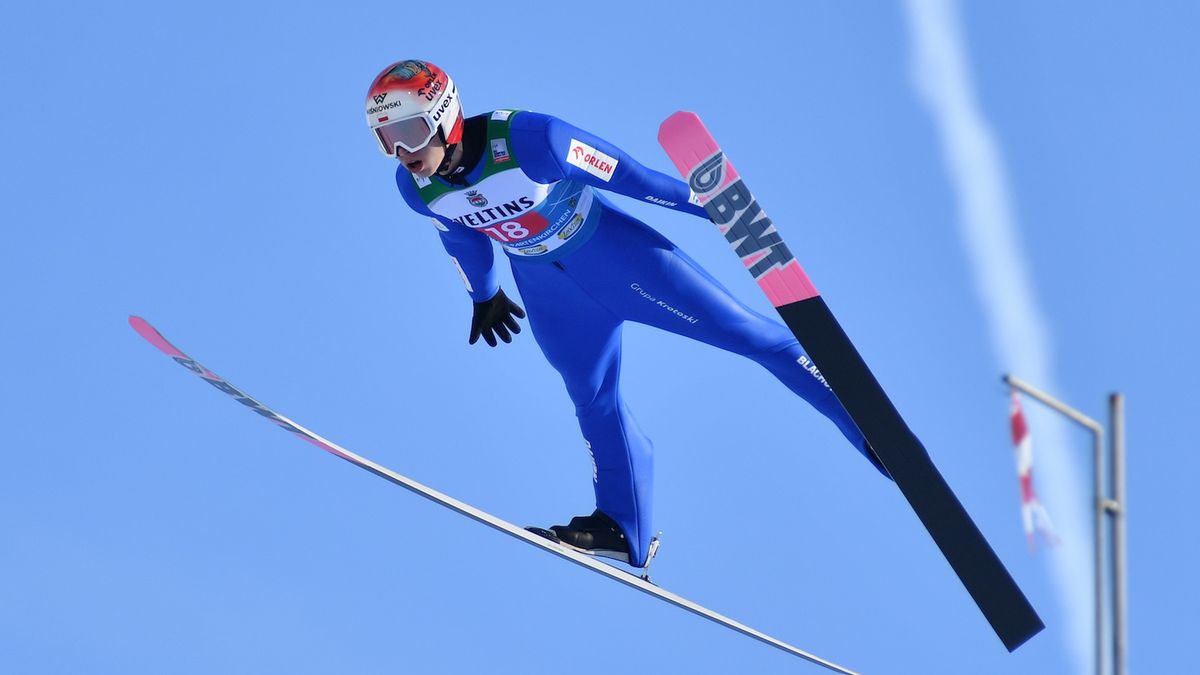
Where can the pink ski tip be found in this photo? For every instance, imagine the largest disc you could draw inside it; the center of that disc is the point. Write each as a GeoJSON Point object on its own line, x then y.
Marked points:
{"type": "Point", "coordinates": [151, 335]}
{"type": "Point", "coordinates": [140, 325]}
{"type": "Point", "coordinates": [686, 140]}
{"type": "Point", "coordinates": [678, 121]}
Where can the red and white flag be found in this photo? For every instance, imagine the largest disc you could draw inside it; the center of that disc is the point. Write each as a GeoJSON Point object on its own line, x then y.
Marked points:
{"type": "Point", "coordinates": [1033, 514]}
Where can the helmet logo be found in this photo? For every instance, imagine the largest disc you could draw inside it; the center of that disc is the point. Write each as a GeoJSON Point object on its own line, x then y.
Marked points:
{"type": "Point", "coordinates": [431, 88]}
{"type": "Point", "coordinates": [379, 98]}
{"type": "Point", "coordinates": [381, 108]}
{"type": "Point", "coordinates": [477, 200]}
{"type": "Point", "coordinates": [445, 103]}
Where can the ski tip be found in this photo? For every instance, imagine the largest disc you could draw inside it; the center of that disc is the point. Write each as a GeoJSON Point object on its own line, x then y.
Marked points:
{"type": "Point", "coordinates": [150, 334]}
{"type": "Point", "coordinates": [138, 323]}
{"type": "Point", "coordinates": [142, 326]}
{"type": "Point", "coordinates": [678, 120]}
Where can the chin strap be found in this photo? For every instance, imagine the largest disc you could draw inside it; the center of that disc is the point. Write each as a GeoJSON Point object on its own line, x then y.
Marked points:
{"type": "Point", "coordinates": [445, 165]}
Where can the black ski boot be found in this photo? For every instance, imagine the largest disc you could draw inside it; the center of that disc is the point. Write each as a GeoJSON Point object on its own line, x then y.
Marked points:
{"type": "Point", "coordinates": [596, 534]}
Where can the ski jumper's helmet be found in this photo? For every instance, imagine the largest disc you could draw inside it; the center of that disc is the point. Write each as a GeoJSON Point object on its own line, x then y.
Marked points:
{"type": "Point", "coordinates": [410, 102]}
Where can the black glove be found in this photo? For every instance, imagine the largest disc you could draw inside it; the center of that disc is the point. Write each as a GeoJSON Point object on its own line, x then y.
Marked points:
{"type": "Point", "coordinates": [496, 315]}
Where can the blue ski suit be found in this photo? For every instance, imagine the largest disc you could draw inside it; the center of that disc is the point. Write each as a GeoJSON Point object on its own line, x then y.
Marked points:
{"type": "Point", "coordinates": [584, 268]}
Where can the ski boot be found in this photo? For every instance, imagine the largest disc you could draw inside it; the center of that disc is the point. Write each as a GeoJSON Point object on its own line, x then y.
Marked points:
{"type": "Point", "coordinates": [596, 535]}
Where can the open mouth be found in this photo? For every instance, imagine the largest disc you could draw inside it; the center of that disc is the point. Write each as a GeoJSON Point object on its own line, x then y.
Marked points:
{"type": "Point", "coordinates": [414, 166]}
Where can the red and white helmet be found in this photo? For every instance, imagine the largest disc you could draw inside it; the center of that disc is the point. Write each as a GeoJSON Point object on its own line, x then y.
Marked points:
{"type": "Point", "coordinates": [409, 102]}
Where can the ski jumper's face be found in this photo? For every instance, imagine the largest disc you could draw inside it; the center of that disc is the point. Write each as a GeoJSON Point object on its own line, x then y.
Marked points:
{"type": "Point", "coordinates": [425, 161]}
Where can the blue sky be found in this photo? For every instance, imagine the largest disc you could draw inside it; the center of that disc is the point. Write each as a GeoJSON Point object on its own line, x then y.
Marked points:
{"type": "Point", "coordinates": [208, 168]}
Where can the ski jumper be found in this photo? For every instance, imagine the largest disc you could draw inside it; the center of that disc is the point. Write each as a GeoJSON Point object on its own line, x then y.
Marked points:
{"type": "Point", "coordinates": [584, 268]}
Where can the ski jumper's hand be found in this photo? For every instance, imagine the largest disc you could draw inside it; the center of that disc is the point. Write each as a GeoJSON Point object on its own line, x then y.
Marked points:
{"type": "Point", "coordinates": [498, 315]}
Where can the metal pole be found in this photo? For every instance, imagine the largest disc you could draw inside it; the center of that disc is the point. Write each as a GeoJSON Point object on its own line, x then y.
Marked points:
{"type": "Point", "coordinates": [1117, 507]}
{"type": "Point", "coordinates": [1098, 500]}
{"type": "Point", "coordinates": [1098, 528]}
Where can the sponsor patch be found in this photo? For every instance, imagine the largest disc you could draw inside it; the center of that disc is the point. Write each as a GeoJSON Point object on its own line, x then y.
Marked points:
{"type": "Point", "coordinates": [637, 288]}
{"type": "Point", "coordinates": [571, 227]}
{"type": "Point", "coordinates": [500, 151]}
{"type": "Point", "coordinates": [501, 115]}
{"type": "Point", "coordinates": [477, 200]}
{"type": "Point", "coordinates": [422, 182]}
{"type": "Point", "coordinates": [534, 250]}
{"type": "Point", "coordinates": [811, 367]}
{"type": "Point", "coordinates": [591, 160]}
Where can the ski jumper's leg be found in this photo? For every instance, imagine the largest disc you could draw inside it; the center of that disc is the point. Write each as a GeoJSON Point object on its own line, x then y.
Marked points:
{"type": "Point", "coordinates": [582, 340]}
{"type": "Point", "coordinates": [653, 282]}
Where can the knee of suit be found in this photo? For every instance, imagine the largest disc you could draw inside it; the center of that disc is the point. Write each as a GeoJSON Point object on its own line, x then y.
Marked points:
{"type": "Point", "coordinates": [601, 404]}
{"type": "Point", "coordinates": [594, 396]}
{"type": "Point", "coordinates": [783, 348]}
{"type": "Point", "coordinates": [756, 340]}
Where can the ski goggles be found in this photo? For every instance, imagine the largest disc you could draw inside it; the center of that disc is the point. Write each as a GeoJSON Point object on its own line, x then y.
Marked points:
{"type": "Point", "coordinates": [411, 133]}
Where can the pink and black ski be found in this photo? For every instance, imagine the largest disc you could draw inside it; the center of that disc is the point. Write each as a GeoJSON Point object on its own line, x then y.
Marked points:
{"type": "Point", "coordinates": [721, 191]}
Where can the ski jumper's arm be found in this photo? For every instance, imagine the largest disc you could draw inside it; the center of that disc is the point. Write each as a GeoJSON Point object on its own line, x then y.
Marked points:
{"type": "Point", "coordinates": [470, 251]}
{"type": "Point", "coordinates": [550, 149]}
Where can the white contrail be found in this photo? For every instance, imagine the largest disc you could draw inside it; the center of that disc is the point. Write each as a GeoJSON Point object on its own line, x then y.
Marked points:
{"type": "Point", "coordinates": [941, 75]}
